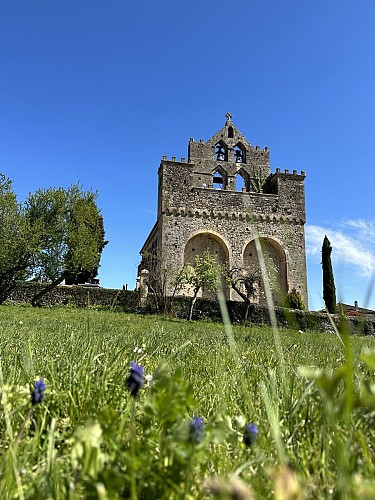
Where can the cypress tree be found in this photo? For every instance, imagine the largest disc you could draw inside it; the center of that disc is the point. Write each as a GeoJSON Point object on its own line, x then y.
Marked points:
{"type": "Point", "coordinates": [329, 290]}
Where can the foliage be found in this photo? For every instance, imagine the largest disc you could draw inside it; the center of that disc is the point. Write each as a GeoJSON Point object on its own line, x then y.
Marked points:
{"type": "Point", "coordinates": [205, 274]}
{"type": "Point", "coordinates": [160, 279]}
{"type": "Point", "coordinates": [246, 282]}
{"type": "Point", "coordinates": [209, 415]}
{"type": "Point", "coordinates": [85, 240]}
{"type": "Point", "coordinates": [347, 397]}
{"type": "Point", "coordinates": [329, 289]}
{"type": "Point", "coordinates": [17, 242]}
{"type": "Point", "coordinates": [257, 180]}
{"type": "Point", "coordinates": [294, 300]}
{"type": "Point", "coordinates": [72, 235]}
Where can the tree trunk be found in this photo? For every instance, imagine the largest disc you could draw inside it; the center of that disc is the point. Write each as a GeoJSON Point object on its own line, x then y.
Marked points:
{"type": "Point", "coordinates": [192, 303]}
{"type": "Point", "coordinates": [247, 311]}
{"type": "Point", "coordinates": [45, 290]}
{"type": "Point", "coordinates": [155, 297]}
{"type": "Point", "coordinates": [245, 298]}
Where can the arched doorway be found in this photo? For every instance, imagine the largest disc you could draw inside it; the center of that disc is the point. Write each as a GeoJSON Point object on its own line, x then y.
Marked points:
{"type": "Point", "coordinates": [276, 266]}
{"type": "Point", "coordinates": [197, 245]}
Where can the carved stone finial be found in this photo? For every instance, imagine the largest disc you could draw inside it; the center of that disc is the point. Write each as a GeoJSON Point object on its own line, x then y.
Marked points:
{"type": "Point", "coordinates": [229, 117]}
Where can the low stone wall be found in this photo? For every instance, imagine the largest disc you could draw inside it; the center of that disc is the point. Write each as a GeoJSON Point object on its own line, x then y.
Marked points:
{"type": "Point", "coordinates": [259, 315]}
{"type": "Point", "coordinates": [128, 301]}
{"type": "Point", "coordinates": [79, 296]}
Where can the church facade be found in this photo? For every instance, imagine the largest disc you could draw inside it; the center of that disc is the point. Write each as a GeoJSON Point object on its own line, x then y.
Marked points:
{"type": "Point", "coordinates": [224, 198]}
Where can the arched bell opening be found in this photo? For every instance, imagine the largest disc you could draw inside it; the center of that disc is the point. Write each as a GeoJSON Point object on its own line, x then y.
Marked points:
{"type": "Point", "coordinates": [239, 153]}
{"type": "Point", "coordinates": [221, 151]}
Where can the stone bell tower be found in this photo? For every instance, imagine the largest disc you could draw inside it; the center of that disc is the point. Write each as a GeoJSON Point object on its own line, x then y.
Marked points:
{"type": "Point", "coordinates": [223, 198]}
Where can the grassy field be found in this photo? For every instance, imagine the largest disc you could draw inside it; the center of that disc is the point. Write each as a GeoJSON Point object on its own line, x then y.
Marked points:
{"type": "Point", "coordinates": [310, 395]}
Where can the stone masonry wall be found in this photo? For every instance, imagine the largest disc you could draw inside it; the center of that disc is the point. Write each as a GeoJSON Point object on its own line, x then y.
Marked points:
{"type": "Point", "coordinates": [235, 218]}
{"type": "Point", "coordinates": [128, 301]}
{"type": "Point", "coordinates": [270, 206]}
{"type": "Point", "coordinates": [78, 296]}
{"type": "Point", "coordinates": [304, 321]}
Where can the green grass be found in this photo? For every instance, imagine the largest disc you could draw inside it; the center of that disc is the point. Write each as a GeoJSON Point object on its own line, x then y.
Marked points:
{"type": "Point", "coordinates": [90, 439]}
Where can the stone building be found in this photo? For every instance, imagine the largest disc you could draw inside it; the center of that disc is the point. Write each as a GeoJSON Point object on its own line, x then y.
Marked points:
{"type": "Point", "coordinates": [223, 198]}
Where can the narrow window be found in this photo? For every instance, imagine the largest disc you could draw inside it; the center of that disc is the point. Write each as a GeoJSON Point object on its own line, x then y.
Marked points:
{"type": "Point", "coordinates": [230, 132]}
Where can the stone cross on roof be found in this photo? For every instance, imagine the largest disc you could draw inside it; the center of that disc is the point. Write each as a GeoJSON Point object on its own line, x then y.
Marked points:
{"type": "Point", "coordinates": [229, 116]}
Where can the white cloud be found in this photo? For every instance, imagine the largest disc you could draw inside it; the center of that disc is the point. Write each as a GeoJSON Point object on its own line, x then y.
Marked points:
{"type": "Point", "coordinates": [353, 243]}
{"type": "Point", "coordinates": [366, 229]}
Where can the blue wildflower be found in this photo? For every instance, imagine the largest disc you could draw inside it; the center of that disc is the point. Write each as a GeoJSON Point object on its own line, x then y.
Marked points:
{"type": "Point", "coordinates": [37, 395]}
{"type": "Point", "coordinates": [135, 380]}
{"type": "Point", "coordinates": [250, 434]}
{"type": "Point", "coordinates": [196, 430]}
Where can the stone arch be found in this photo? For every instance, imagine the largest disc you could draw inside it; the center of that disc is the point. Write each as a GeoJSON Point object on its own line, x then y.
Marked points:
{"type": "Point", "coordinates": [198, 244]}
{"type": "Point", "coordinates": [242, 181]}
{"type": "Point", "coordinates": [221, 151]}
{"type": "Point", "coordinates": [275, 260]}
{"type": "Point", "coordinates": [239, 153]}
{"type": "Point", "coordinates": [219, 178]}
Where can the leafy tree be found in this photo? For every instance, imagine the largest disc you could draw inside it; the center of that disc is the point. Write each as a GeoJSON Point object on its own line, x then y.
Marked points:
{"type": "Point", "coordinates": [246, 283]}
{"type": "Point", "coordinates": [71, 235]}
{"type": "Point", "coordinates": [86, 224]}
{"type": "Point", "coordinates": [329, 290]}
{"type": "Point", "coordinates": [17, 241]}
{"type": "Point", "coordinates": [205, 274]}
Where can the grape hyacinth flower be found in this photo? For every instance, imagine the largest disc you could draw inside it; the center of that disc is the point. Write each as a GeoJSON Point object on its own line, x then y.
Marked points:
{"type": "Point", "coordinates": [135, 380]}
{"type": "Point", "coordinates": [37, 394]}
{"type": "Point", "coordinates": [196, 430]}
{"type": "Point", "coordinates": [250, 434]}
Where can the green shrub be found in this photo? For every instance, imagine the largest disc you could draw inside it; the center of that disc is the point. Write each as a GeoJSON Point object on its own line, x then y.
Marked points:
{"type": "Point", "coordinates": [294, 300]}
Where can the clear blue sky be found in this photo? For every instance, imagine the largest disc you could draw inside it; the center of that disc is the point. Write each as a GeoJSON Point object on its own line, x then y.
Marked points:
{"type": "Point", "coordinates": [97, 92]}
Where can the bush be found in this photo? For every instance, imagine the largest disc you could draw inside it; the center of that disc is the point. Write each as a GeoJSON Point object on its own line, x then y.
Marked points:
{"type": "Point", "coordinates": [294, 300]}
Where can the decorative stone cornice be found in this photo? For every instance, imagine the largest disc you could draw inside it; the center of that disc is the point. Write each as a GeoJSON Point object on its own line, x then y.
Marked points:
{"type": "Point", "coordinates": [229, 215]}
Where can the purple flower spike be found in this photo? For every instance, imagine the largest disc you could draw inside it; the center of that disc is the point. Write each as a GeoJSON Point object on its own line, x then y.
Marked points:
{"type": "Point", "coordinates": [196, 430]}
{"type": "Point", "coordinates": [250, 434]}
{"type": "Point", "coordinates": [135, 380]}
{"type": "Point", "coordinates": [37, 394]}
